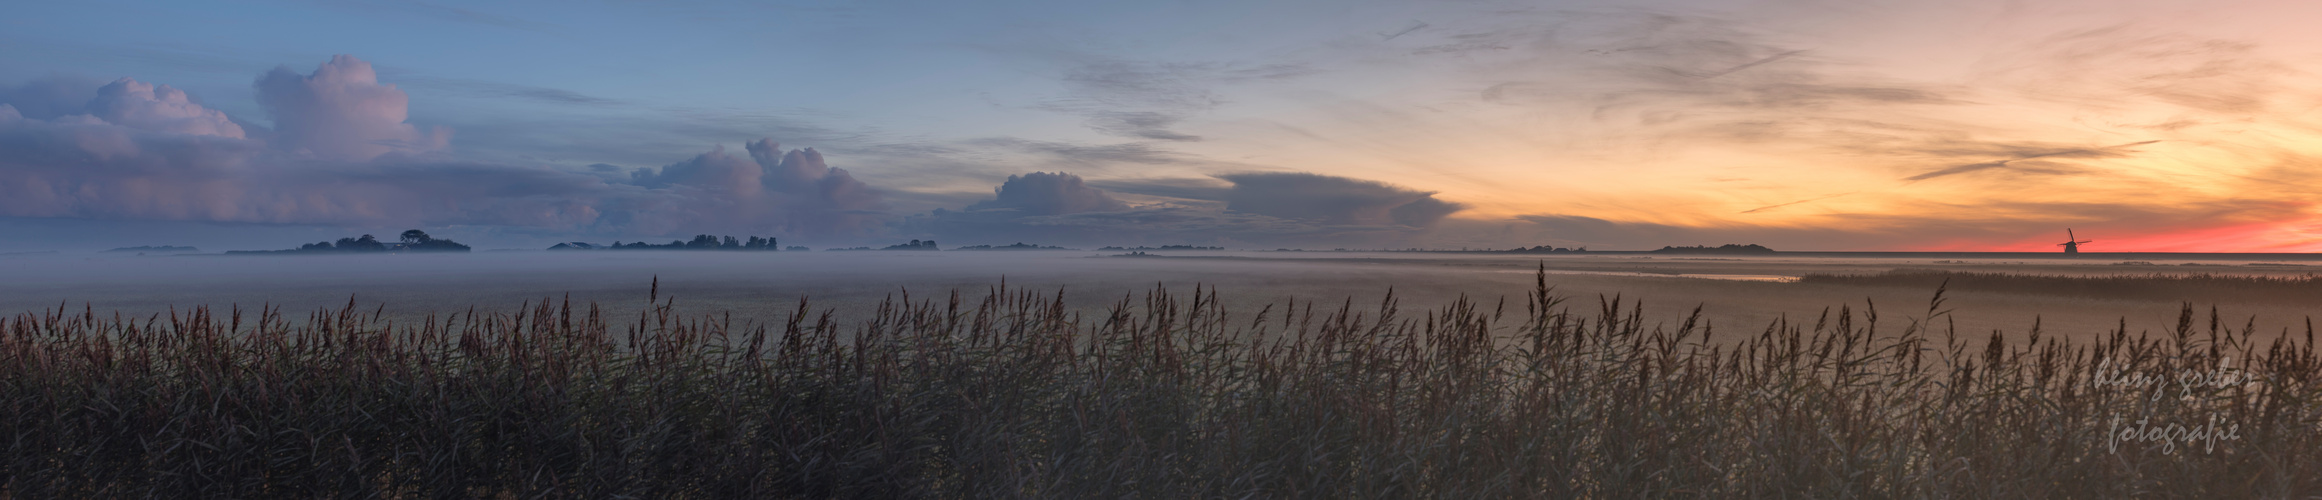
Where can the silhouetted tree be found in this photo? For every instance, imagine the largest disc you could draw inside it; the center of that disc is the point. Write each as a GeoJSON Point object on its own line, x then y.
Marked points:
{"type": "Point", "coordinates": [367, 243]}
{"type": "Point", "coordinates": [701, 242]}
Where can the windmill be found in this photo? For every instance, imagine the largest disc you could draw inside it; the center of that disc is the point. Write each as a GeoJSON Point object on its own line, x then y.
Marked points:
{"type": "Point", "coordinates": [2072, 242]}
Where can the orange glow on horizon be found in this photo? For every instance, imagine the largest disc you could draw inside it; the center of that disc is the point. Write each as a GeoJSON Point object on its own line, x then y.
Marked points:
{"type": "Point", "coordinates": [2296, 236]}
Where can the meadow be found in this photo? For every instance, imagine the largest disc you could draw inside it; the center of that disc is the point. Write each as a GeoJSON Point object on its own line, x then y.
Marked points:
{"type": "Point", "coordinates": [1531, 384]}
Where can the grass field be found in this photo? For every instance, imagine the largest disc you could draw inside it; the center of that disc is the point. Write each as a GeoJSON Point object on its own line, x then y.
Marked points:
{"type": "Point", "coordinates": [1169, 394]}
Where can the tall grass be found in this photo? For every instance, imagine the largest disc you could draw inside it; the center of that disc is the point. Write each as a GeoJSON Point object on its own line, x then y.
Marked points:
{"type": "Point", "coordinates": [1162, 396]}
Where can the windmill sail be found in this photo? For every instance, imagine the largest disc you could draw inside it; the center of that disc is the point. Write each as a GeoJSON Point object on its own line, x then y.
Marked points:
{"type": "Point", "coordinates": [2072, 241]}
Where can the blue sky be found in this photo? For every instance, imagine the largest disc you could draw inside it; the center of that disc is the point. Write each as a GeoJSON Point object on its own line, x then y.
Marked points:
{"type": "Point", "coordinates": [1809, 124]}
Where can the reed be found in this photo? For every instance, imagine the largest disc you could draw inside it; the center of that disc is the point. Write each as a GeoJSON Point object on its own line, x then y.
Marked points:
{"type": "Point", "coordinates": [1160, 396]}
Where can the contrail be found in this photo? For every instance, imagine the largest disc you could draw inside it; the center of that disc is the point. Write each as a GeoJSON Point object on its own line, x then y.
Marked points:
{"type": "Point", "coordinates": [1753, 64]}
{"type": "Point", "coordinates": [1415, 25]}
{"type": "Point", "coordinates": [1780, 205]}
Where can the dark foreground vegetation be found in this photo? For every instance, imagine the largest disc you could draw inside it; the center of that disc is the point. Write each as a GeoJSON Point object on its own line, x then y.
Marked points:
{"type": "Point", "coordinates": [2306, 289]}
{"type": "Point", "coordinates": [1164, 396]}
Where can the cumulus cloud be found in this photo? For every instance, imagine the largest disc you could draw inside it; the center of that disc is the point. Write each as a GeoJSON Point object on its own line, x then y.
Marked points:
{"type": "Point", "coordinates": [1059, 208]}
{"type": "Point", "coordinates": [136, 150]}
{"type": "Point", "coordinates": [714, 169]}
{"type": "Point", "coordinates": [84, 166]}
{"type": "Point", "coordinates": [124, 150]}
{"type": "Point", "coordinates": [342, 112]}
{"type": "Point", "coordinates": [342, 154]}
{"type": "Point", "coordinates": [793, 193]}
{"type": "Point", "coordinates": [1042, 193]}
{"type": "Point", "coordinates": [144, 106]}
{"type": "Point", "coordinates": [1334, 200]}
{"type": "Point", "coordinates": [802, 174]}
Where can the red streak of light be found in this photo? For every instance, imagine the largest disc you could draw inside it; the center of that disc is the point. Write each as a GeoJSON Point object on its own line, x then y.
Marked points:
{"type": "Point", "coordinates": [2290, 236]}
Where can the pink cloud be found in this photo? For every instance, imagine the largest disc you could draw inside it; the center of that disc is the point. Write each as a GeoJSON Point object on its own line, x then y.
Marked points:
{"type": "Point", "coordinates": [791, 193]}
{"type": "Point", "coordinates": [342, 112]}
{"type": "Point", "coordinates": [144, 106]}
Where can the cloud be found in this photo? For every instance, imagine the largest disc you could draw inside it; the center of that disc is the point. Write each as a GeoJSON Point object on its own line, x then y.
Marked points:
{"type": "Point", "coordinates": [82, 166]}
{"type": "Point", "coordinates": [342, 112]}
{"type": "Point", "coordinates": [1145, 99]}
{"type": "Point", "coordinates": [829, 195]}
{"type": "Point", "coordinates": [1191, 188]}
{"type": "Point", "coordinates": [432, 192]}
{"type": "Point", "coordinates": [136, 150]}
{"type": "Point", "coordinates": [1147, 225]}
{"type": "Point", "coordinates": [790, 193]}
{"type": "Point", "coordinates": [1334, 200]}
{"type": "Point", "coordinates": [51, 97]}
{"type": "Point", "coordinates": [1274, 210]}
{"type": "Point", "coordinates": [714, 169]}
{"type": "Point", "coordinates": [491, 89]}
{"type": "Point", "coordinates": [151, 108]}
{"type": "Point", "coordinates": [2001, 226]}
{"type": "Point", "coordinates": [2102, 152]}
{"type": "Point", "coordinates": [1086, 155]}
{"type": "Point", "coordinates": [1041, 193]}
{"type": "Point", "coordinates": [438, 12]}
{"type": "Point", "coordinates": [1138, 124]}
{"type": "Point", "coordinates": [2116, 69]}
{"type": "Point", "coordinates": [342, 155]}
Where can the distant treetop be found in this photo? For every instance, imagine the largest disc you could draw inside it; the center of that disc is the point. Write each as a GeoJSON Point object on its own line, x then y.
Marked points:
{"type": "Point", "coordinates": [1726, 248]}
{"type": "Point", "coordinates": [412, 241]}
{"type": "Point", "coordinates": [1162, 247]}
{"type": "Point", "coordinates": [1546, 249]}
{"type": "Point", "coordinates": [913, 245]}
{"type": "Point", "coordinates": [1018, 246]}
{"type": "Point", "coordinates": [699, 242]}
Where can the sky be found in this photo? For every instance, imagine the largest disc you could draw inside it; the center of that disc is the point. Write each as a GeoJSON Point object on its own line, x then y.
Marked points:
{"type": "Point", "coordinates": [1970, 125]}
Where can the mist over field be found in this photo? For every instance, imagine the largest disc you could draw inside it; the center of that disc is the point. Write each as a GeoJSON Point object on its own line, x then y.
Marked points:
{"type": "Point", "coordinates": [1737, 295]}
